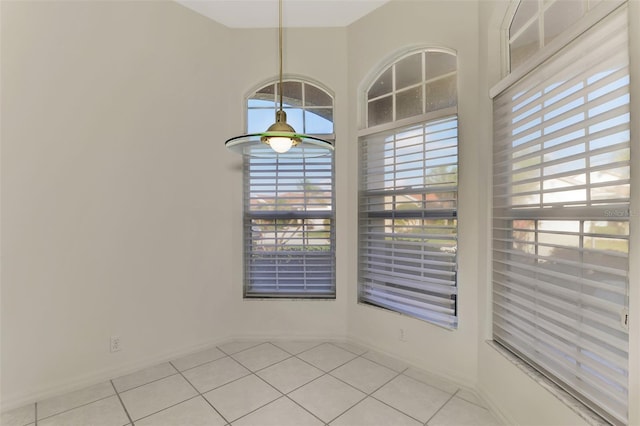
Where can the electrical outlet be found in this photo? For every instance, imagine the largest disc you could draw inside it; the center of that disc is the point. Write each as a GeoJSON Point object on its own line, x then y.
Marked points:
{"type": "Point", "coordinates": [402, 336]}
{"type": "Point", "coordinates": [115, 343]}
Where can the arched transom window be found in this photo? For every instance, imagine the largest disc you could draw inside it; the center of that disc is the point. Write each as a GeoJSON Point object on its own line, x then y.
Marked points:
{"type": "Point", "coordinates": [418, 83]}
{"type": "Point", "coordinates": [537, 23]}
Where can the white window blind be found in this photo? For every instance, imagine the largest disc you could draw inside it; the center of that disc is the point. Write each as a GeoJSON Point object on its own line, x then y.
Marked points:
{"type": "Point", "coordinates": [408, 219]}
{"type": "Point", "coordinates": [289, 236]}
{"type": "Point", "coordinates": [289, 227]}
{"type": "Point", "coordinates": [561, 206]}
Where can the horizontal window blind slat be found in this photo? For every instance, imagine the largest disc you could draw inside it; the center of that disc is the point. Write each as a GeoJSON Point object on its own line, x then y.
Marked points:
{"type": "Point", "coordinates": [383, 259]}
{"type": "Point", "coordinates": [544, 276]}
{"type": "Point", "coordinates": [407, 280]}
{"type": "Point", "coordinates": [590, 380]}
{"type": "Point", "coordinates": [407, 305]}
{"type": "Point", "coordinates": [412, 269]}
{"type": "Point", "coordinates": [588, 394]}
{"type": "Point", "coordinates": [591, 388]}
{"type": "Point", "coordinates": [572, 84]}
{"type": "Point", "coordinates": [440, 304]}
{"type": "Point", "coordinates": [430, 315]}
{"type": "Point", "coordinates": [618, 272]}
{"type": "Point", "coordinates": [560, 325]}
{"type": "Point", "coordinates": [612, 361]}
{"type": "Point", "coordinates": [612, 211]}
{"type": "Point", "coordinates": [577, 362]}
{"type": "Point", "coordinates": [430, 249]}
{"type": "Point", "coordinates": [563, 306]}
{"type": "Point", "coordinates": [566, 291]}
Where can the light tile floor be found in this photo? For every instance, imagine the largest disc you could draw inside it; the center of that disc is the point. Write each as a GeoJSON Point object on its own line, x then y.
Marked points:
{"type": "Point", "coordinates": [288, 383]}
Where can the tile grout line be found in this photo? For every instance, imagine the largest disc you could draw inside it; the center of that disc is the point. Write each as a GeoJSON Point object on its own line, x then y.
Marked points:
{"type": "Point", "coordinates": [335, 344]}
{"type": "Point", "coordinates": [334, 368]}
{"type": "Point", "coordinates": [224, 384]}
{"type": "Point", "coordinates": [237, 352]}
{"type": "Point", "coordinates": [256, 409]}
{"type": "Point", "coordinates": [441, 407]}
{"type": "Point", "coordinates": [282, 394]}
{"type": "Point", "coordinates": [201, 395]}
{"type": "Point", "coordinates": [121, 402]}
{"type": "Point", "coordinates": [76, 407]}
{"type": "Point", "coordinates": [362, 355]}
{"type": "Point", "coordinates": [401, 371]}
{"type": "Point", "coordinates": [359, 401]}
{"type": "Point", "coordinates": [265, 367]}
{"type": "Point", "coordinates": [308, 349]}
{"type": "Point", "coordinates": [286, 395]}
{"type": "Point", "coordinates": [224, 355]}
{"type": "Point", "coordinates": [396, 409]}
{"type": "Point", "coordinates": [167, 407]}
{"type": "Point", "coordinates": [305, 409]}
{"type": "Point", "coordinates": [252, 373]}
{"type": "Point", "coordinates": [370, 395]}
{"type": "Point", "coordinates": [398, 373]}
{"type": "Point", "coordinates": [327, 373]}
{"type": "Point", "coordinates": [147, 383]}
{"type": "Point", "coordinates": [467, 400]}
{"type": "Point", "coordinates": [234, 380]}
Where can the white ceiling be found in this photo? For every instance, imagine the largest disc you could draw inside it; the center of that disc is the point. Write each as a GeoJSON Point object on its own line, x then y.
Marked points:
{"type": "Point", "coordinates": [295, 13]}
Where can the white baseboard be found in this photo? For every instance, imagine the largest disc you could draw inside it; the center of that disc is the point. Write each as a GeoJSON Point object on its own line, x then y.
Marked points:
{"type": "Point", "coordinates": [16, 401]}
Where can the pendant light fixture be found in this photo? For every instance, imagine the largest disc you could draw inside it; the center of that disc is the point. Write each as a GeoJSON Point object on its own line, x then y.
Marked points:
{"type": "Point", "coordinates": [280, 139]}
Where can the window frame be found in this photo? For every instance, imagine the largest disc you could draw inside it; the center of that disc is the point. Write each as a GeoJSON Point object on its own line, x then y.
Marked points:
{"type": "Point", "coordinates": [511, 76]}
{"type": "Point", "coordinates": [424, 119]}
{"type": "Point", "coordinates": [615, 211]}
{"type": "Point", "coordinates": [286, 166]}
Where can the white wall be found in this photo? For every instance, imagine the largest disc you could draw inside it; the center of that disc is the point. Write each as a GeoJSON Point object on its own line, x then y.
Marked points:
{"type": "Point", "coordinates": [373, 42]}
{"type": "Point", "coordinates": [121, 208]}
{"type": "Point", "coordinates": [114, 190]}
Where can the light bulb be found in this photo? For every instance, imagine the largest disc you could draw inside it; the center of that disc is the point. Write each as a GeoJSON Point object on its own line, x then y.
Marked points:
{"type": "Point", "coordinates": [280, 144]}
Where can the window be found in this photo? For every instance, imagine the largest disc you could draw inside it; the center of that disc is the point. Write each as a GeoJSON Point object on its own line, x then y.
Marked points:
{"type": "Point", "coordinates": [537, 23]}
{"type": "Point", "coordinates": [409, 189]}
{"type": "Point", "coordinates": [289, 219]}
{"type": "Point", "coordinates": [561, 210]}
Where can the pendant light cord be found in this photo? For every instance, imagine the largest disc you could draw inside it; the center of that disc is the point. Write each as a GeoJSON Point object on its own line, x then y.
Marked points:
{"type": "Point", "coordinates": [280, 45]}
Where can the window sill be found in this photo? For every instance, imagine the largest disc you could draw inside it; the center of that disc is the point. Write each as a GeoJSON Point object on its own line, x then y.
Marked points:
{"type": "Point", "coordinates": [290, 299]}
{"type": "Point", "coordinates": [572, 403]}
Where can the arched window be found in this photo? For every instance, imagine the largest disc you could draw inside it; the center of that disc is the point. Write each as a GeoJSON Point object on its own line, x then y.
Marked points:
{"type": "Point", "coordinates": [418, 83]}
{"type": "Point", "coordinates": [409, 188]}
{"type": "Point", "coordinates": [561, 197]}
{"type": "Point", "coordinates": [537, 23]}
{"type": "Point", "coordinates": [288, 203]}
